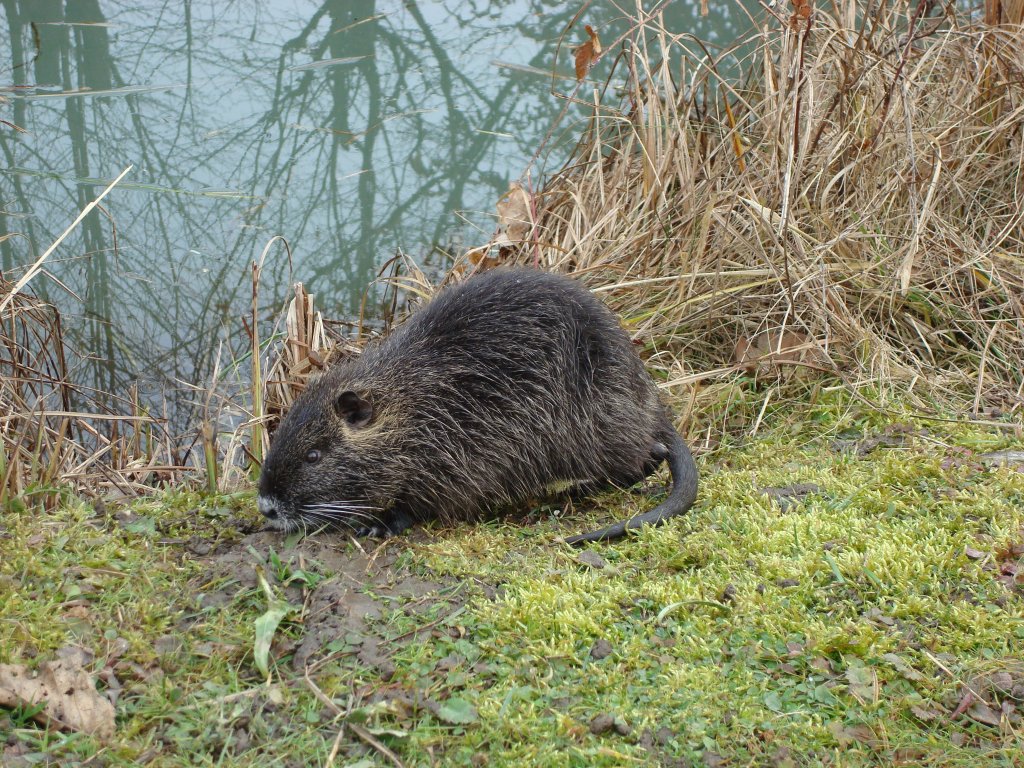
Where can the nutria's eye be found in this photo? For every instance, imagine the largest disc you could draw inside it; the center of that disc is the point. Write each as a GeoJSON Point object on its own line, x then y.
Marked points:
{"type": "Point", "coordinates": [313, 456]}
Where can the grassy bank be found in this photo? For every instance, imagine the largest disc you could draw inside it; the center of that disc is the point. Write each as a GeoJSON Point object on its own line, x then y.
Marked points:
{"type": "Point", "coordinates": [845, 593]}
{"type": "Point", "coordinates": [817, 248]}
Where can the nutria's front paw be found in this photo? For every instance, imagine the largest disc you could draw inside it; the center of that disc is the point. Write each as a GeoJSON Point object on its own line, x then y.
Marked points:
{"type": "Point", "coordinates": [399, 522]}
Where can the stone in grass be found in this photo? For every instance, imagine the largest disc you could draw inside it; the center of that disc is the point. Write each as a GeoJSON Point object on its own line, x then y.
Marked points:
{"type": "Point", "coordinates": [592, 559]}
{"type": "Point", "coordinates": [601, 649]}
{"type": "Point", "coordinates": [605, 722]}
{"type": "Point", "coordinates": [791, 495]}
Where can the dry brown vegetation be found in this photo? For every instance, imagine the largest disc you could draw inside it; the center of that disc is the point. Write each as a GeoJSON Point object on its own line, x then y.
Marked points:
{"type": "Point", "coordinates": [55, 432]}
{"type": "Point", "coordinates": [856, 196]}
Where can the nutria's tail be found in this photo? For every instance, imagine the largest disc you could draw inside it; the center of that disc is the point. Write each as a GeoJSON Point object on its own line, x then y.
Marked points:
{"type": "Point", "coordinates": [684, 492]}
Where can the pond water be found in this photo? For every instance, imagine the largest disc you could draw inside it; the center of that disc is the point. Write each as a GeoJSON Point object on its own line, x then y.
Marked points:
{"type": "Point", "coordinates": [350, 128]}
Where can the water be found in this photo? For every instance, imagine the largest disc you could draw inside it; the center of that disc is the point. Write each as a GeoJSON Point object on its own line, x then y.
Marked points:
{"type": "Point", "coordinates": [350, 128]}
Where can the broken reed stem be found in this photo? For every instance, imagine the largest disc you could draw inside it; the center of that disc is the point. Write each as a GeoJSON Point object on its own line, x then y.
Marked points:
{"type": "Point", "coordinates": [38, 264]}
{"type": "Point", "coordinates": [256, 446]}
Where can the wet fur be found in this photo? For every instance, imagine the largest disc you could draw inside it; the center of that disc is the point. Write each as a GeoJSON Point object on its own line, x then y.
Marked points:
{"type": "Point", "coordinates": [504, 385]}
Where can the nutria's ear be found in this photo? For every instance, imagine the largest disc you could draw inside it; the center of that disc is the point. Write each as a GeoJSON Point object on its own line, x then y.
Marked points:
{"type": "Point", "coordinates": [355, 410]}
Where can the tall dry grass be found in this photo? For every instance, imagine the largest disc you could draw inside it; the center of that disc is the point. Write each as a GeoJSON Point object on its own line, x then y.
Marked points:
{"type": "Point", "coordinates": [850, 203]}
{"type": "Point", "coordinates": [55, 433]}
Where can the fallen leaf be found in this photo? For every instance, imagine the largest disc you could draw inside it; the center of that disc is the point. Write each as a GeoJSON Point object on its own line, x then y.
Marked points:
{"type": "Point", "coordinates": [903, 667]}
{"type": "Point", "coordinates": [974, 554]}
{"type": "Point", "coordinates": [790, 495]}
{"type": "Point", "coordinates": [925, 715]}
{"type": "Point", "coordinates": [847, 734]}
{"type": "Point", "coordinates": [768, 347]}
{"type": "Point", "coordinates": [67, 691]}
{"type": "Point", "coordinates": [587, 53]}
{"type": "Point", "coordinates": [592, 559]}
{"type": "Point", "coordinates": [514, 217]}
{"type": "Point", "coordinates": [1008, 458]}
{"type": "Point", "coordinates": [982, 713]}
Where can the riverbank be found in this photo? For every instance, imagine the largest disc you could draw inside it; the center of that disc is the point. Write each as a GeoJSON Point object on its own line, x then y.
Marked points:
{"type": "Point", "coordinates": [820, 262]}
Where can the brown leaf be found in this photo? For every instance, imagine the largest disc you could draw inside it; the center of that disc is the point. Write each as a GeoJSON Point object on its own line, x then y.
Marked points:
{"type": "Point", "coordinates": [68, 692]}
{"type": "Point", "coordinates": [982, 713]}
{"type": "Point", "coordinates": [903, 667]}
{"type": "Point", "coordinates": [848, 734]}
{"type": "Point", "coordinates": [925, 715]}
{"type": "Point", "coordinates": [592, 559]}
{"type": "Point", "coordinates": [587, 53]}
{"type": "Point", "coordinates": [773, 346]}
{"type": "Point", "coordinates": [514, 217]}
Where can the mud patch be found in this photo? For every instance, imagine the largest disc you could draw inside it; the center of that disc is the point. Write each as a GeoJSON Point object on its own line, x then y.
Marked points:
{"type": "Point", "coordinates": [349, 593]}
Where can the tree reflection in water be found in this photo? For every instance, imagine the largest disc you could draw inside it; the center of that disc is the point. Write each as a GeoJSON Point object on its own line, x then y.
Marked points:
{"type": "Point", "coordinates": [349, 127]}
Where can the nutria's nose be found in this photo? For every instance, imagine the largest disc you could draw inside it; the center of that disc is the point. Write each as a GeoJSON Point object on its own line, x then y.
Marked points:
{"type": "Point", "coordinates": [267, 507]}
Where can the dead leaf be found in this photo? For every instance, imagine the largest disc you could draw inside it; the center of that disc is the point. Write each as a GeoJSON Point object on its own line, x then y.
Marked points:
{"type": "Point", "coordinates": [982, 713]}
{"type": "Point", "coordinates": [482, 258]}
{"type": "Point", "coordinates": [1007, 458]}
{"type": "Point", "coordinates": [903, 667]}
{"type": "Point", "coordinates": [591, 558]}
{"type": "Point", "coordinates": [848, 734]}
{"type": "Point", "coordinates": [587, 53]}
{"type": "Point", "coordinates": [768, 347]}
{"type": "Point", "coordinates": [925, 715]}
{"type": "Point", "coordinates": [67, 691]}
{"type": "Point", "coordinates": [801, 12]}
{"type": "Point", "coordinates": [514, 217]}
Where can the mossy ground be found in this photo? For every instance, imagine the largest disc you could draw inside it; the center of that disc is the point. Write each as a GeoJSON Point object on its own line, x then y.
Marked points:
{"type": "Point", "coordinates": [873, 618]}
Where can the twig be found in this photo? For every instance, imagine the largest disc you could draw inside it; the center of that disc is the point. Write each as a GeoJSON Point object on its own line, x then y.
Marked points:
{"type": "Point", "coordinates": [370, 739]}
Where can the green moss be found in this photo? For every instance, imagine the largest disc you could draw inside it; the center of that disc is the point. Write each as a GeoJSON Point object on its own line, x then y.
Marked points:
{"type": "Point", "coordinates": [841, 629]}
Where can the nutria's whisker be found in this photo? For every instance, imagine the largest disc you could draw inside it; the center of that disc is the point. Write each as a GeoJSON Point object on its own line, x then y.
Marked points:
{"type": "Point", "coordinates": [340, 505]}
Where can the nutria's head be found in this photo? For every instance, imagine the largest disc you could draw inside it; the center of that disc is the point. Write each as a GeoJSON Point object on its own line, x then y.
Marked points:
{"type": "Point", "coordinates": [324, 467]}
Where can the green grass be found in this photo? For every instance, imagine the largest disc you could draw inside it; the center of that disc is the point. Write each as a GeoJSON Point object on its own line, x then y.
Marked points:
{"type": "Point", "coordinates": [843, 630]}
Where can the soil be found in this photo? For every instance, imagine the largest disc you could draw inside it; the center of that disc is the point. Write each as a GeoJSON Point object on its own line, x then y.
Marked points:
{"type": "Point", "coordinates": [362, 586]}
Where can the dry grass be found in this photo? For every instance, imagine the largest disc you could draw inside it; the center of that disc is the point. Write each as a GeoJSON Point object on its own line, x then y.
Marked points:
{"type": "Point", "coordinates": [855, 195]}
{"type": "Point", "coordinates": [54, 433]}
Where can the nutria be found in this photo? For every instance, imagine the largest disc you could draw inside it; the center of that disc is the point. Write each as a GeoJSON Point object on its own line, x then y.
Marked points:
{"type": "Point", "coordinates": [506, 385]}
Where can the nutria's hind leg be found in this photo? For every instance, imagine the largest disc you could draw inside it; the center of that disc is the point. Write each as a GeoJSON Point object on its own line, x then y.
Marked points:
{"type": "Point", "coordinates": [629, 478]}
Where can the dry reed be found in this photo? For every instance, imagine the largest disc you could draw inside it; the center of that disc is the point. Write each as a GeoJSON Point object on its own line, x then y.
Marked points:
{"type": "Point", "coordinates": [851, 204]}
{"type": "Point", "coordinates": [54, 433]}
{"type": "Point", "coordinates": [847, 201]}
